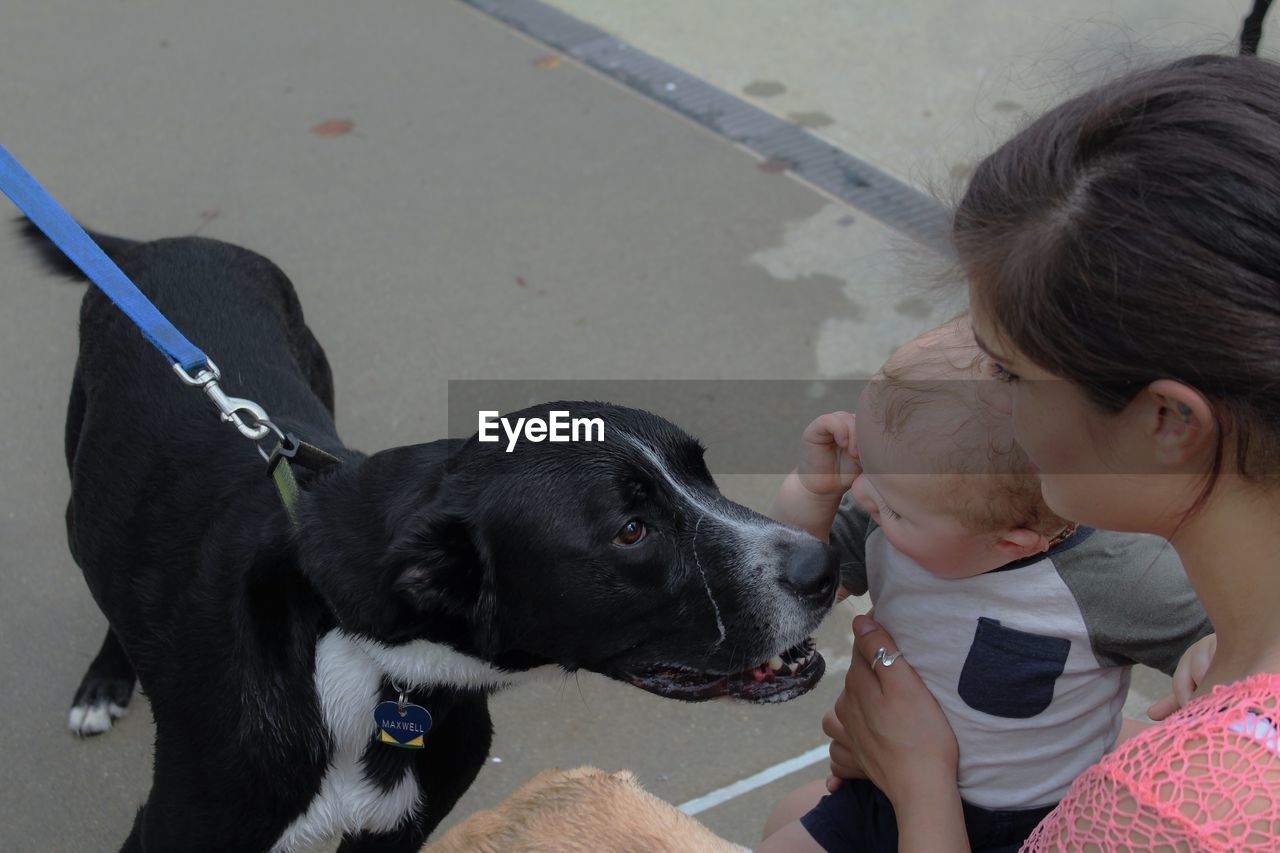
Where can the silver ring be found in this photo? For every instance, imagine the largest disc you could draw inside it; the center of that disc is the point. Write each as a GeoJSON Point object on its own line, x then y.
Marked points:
{"type": "Point", "coordinates": [267, 426]}
{"type": "Point", "coordinates": [885, 657]}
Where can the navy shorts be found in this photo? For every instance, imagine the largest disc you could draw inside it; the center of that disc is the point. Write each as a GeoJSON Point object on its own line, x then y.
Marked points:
{"type": "Point", "coordinates": [859, 817]}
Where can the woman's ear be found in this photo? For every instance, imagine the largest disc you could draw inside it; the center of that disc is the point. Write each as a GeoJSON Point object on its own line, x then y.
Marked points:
{"type": "Point", "coordinates": [1181, 423]}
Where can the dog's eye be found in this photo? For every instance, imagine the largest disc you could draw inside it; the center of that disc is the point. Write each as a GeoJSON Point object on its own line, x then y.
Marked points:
{"type": "Point", "coordinates": [631, 533]}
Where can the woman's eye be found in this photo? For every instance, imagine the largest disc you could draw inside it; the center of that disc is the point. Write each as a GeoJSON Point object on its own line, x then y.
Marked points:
{"type": "Point", "coordinates": [999, 373]}
{"type": "Point", "coordinates": [891, 514]}
{"type": "Point", "coordinates": [631, 533]}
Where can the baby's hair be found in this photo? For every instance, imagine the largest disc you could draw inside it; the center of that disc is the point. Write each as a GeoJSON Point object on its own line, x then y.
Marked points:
{"type": "Point", "coordinates": [1133, 234]}
{"type": "Point", "coordinates": [935, 396]}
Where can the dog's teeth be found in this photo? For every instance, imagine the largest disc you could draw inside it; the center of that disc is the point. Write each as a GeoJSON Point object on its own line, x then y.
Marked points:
{"type": "Point", "coordinates": [775, 663]}
{"type": "Point", "coordinates": [793, 668]}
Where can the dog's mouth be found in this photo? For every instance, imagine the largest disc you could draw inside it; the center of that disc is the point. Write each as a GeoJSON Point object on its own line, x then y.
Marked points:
{"type": "Point", "coordinates": [783, 677]}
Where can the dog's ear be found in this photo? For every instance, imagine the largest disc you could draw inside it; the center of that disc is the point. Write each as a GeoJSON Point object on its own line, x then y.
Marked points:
{"type": "Point", "coordinates": [444, 574]}
{"type": "Point", "coordinates": [438, 567]}
{"type": "Point", "coordinates": [389, 547]}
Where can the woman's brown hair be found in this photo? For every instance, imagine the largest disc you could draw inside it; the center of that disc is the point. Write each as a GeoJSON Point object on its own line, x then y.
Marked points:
{"type": "Point", "coordinates": [1133, 234]}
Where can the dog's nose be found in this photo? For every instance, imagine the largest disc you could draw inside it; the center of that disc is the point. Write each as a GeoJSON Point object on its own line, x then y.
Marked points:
{"type": "Point", "coordinates": [811, 572]}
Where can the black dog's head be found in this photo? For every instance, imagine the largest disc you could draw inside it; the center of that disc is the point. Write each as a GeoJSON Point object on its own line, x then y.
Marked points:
{"type": "Point", "coordinates": [617, 555]}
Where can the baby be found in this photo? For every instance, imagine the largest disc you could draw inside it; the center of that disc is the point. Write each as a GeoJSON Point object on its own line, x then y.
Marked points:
{"type": "Point", "coordinates": [1023, 626]}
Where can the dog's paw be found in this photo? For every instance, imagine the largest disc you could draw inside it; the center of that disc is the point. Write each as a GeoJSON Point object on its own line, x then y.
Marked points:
{"type": "Point", "coordinates": [98, 702]}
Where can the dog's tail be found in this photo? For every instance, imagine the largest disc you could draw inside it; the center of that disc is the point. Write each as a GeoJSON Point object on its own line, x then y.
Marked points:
{"type": "Point", "coordinates": [56, 262]}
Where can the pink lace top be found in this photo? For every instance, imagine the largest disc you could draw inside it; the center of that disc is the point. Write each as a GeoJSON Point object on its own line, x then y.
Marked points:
{"type": "Point", "coordinates": [1207, 778]}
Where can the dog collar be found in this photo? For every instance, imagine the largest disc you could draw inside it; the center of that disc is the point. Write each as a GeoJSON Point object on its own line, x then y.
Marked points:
{"type": "Point", "coordinates": [292, 451]}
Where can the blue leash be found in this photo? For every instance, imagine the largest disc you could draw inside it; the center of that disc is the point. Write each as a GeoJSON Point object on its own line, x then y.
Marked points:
{"type": "Point", "coordinates": [47, 215]}
{"type": "Point", "coordinates": [67, 235]}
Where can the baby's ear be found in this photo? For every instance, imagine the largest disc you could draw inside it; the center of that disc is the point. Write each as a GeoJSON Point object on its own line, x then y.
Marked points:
{"type": "Point", "coordinates": [1019, 542]}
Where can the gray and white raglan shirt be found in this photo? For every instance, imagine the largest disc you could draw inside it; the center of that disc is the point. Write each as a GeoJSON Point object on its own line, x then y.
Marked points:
{"type": "Point", "coordinates": [1030, 662]}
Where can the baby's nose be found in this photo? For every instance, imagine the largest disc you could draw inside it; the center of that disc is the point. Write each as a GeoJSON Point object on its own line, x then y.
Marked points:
{"type": "Point", "coordinates": [862, 496]}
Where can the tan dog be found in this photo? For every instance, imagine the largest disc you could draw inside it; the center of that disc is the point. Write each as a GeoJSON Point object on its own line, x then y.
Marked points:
{"type": "Point", "coordinates": [585, 810]}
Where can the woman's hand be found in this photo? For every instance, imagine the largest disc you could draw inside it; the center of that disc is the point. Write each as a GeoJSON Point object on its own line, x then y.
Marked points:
{"type": "Point", "coordinates": [844, 764]}
{"type": "Point", "coordinates": [896, 734]}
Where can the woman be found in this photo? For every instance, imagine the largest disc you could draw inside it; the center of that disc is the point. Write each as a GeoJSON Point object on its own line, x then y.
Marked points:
{"type": "Point", "coordinates": [1123, 259]}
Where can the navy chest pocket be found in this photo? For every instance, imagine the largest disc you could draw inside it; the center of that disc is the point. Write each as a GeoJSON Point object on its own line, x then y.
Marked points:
{"type": "Point", "coordinates": [1011, 673]}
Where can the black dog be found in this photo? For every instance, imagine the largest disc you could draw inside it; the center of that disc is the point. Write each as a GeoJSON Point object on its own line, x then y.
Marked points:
{"type": "Point", "coordinates": [445, 570]}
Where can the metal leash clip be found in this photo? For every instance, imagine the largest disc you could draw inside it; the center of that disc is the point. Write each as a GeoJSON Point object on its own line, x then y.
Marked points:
{"type": "Point", "coordinates": [232, 407]}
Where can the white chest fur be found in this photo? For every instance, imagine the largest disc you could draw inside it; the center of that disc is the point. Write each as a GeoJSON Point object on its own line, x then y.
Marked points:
{"type": "Point", "coordinates": [347, 683]}
{"type": "Point", "coordinates": [348, 677]}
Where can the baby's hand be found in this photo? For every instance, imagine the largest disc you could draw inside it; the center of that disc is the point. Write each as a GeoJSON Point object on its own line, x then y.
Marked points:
{"type": "Point", "coordinates": [830, 462]}
{"type": "Point", "coordinates": [1190, 673]}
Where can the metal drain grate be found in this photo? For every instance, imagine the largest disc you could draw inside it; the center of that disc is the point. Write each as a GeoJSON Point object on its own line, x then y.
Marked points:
{"type": "Point", "coordinates": [837, 172]}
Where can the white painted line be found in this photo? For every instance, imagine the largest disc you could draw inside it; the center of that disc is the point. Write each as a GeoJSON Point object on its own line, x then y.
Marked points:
{"type": "Point", "coordinates": [759, 780]}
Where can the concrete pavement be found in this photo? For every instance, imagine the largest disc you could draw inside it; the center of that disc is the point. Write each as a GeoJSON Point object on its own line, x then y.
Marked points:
{"type": "Point", "coordinates": [922, 90]}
